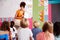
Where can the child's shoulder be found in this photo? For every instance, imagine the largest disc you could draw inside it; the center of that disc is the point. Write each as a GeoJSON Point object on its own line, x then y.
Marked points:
{"type": "Point", "coordinates": [14, 27]}
{"type": "Point", "coordinates": [40, 34]}
{"type": "Point", "coordinates": [35, 28]}
{"type": "Point", "coordinates": [4, 32]}
{"type": "Point", "coordinates": [28, 29]}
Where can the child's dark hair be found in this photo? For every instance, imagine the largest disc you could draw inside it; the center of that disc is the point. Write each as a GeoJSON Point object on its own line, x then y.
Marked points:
{"type": "Point", "coordinates": [24, 23]}
{"type": "Point", "coordinates": [12, 24]}
{"type": "Point", "coordinates": [5, 26]}
{"type": "Point", "coordinates": [22, 4]}
{"type": "Point", "coordinates": [57, 29]}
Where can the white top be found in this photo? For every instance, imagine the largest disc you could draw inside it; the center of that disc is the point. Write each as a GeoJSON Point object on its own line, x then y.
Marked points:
{"type": "Point", "coordinates": [24, 34]}
{"type": "Point", "coordinates": [13, 32]}
{"type": "Point", "coordinates": [57, 38]}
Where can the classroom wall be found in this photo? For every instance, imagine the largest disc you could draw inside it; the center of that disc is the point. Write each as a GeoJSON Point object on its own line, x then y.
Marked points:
{"type": "Point", "coordinates": [55, 12]}
{"type": "Point", "coordinates": [40, 11]}
{"type": "Point", "coordinates": [8, 8]}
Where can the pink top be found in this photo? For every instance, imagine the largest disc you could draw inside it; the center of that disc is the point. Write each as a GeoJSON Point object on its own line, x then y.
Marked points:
{"type": "Point", "coordinates": [45, 36]}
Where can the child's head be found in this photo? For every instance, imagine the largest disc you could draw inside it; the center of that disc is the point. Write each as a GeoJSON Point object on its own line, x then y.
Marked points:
{"type": "Point", "coordinates": [57, 29]}
{"type": "Point", "coordinates": [5, 26]}
{"type": "Point", "coordinates": [12, 24]}
{"type": "Point", "coordinates": [36, 24]}
{"type": "Point", "coordinates": [24, 23]}
{"type": "Point", "coordinates": [48, 26]}
{"type": "Point", "coordinates": [22, 4]}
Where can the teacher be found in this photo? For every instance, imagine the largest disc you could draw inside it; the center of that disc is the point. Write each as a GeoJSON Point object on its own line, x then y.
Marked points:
{"type": "Point", "coordinates": [20, 14]}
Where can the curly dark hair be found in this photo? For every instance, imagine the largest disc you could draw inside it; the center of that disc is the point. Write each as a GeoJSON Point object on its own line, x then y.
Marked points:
{"type": "Point", "coordinates": [12, 24]}
{"type": "Point", "coordinates": [5, 26]}
{"type": "Point", "coordinates": [22, 4]}
{"type": "Point", "coordinates": [57, 29]}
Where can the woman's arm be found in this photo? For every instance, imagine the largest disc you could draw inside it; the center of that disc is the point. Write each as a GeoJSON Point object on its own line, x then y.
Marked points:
{"type": "Point", "coordinates": [16, 16]}
{"type": "Point", "coordinates": [19, 17]}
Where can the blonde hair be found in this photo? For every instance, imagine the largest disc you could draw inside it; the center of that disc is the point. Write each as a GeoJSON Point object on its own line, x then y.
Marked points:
{"type": "Point", "coordinates": [35, 24]}
{"type": "Point", "coordinates": [24, 23]}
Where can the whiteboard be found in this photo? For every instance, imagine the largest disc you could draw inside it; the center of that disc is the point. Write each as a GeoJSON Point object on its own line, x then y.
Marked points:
{"type": "Point", "coordinates": [8, 8]}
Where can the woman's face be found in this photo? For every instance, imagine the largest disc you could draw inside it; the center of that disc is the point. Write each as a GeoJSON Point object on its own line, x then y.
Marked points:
{"type": "Point", "coordinates": [22, 8]}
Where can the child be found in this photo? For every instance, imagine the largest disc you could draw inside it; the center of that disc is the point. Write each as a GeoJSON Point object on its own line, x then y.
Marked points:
{"type": "Point", "coordinates": [13, 30]}
{"type": "Point", "coordinates": [36, 29]}
{"type": "Point", "coordinates": [24, 33]}
{"type": "Point", "coordinates": [47, 33]}
{"type": "Point", "coordinates": [5, 29]}
{"type": "Point", "coordinates": [57, 30]}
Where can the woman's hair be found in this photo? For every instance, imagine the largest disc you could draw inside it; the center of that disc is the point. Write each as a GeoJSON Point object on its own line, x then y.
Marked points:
{"type": "Point", "coordinates": [12, 24]}
{"type": "Point", "coordinates": [24, 23]}
{"type": "Point", "coordinates": [57, 28]}
{"type": "Point", "coordinates": [5, 26]}
{"type": "Point", "coordinates": [22, 4]}
{"type": "Point", "coordinates": [47, 26]}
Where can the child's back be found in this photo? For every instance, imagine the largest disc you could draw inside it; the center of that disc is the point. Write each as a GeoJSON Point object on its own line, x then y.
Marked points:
{"type": "Point", "coordinates": [35, 32]}
{"type": "Point", "coordinates": [36, 29]}
{"type": "Point", "coordinates": [13, 30]}
{"type": "Point", "coordinates": [24, 33]}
